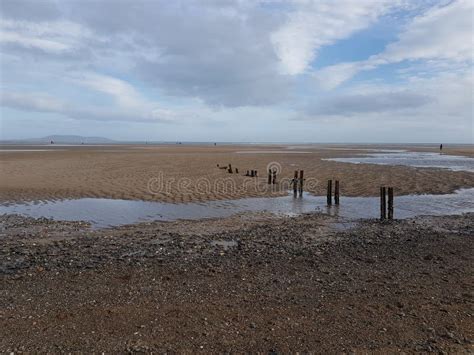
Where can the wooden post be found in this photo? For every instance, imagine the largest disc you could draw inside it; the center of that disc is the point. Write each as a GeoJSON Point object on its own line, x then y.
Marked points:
{"type": "Point", "coordinates": [383, 203]}
{"type": "Point", "coordinates": [236, 170]}
{"type": "Point", "coordinates": [247, 174]}
{"type": "Point", "coordinates": [274, 177]}
{"type": "Point", "coordinates": [269, 176]}
{"type": "Point", "coordinates": [230, 169]}
{"type": "Point", "coordinates": [329, 193]}
{"type": "Point", "coordinates": [295, 182]}
{"type": "Point", "coordinates": [336, 193]}
{"type": "Point", "coordinates": [301, 182]}
{"type": "Point", "coordinates": [390, 203]}
{"type": "Point", "coordinates": [256, 173]}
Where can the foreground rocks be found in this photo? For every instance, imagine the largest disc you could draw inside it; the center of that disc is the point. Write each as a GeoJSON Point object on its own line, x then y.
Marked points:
{"type": "Point", "coordinates": [246, 283]}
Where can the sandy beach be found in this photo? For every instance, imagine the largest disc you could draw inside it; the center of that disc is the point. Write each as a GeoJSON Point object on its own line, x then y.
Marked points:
{"type": "Point", "coordinates": [185, 173]}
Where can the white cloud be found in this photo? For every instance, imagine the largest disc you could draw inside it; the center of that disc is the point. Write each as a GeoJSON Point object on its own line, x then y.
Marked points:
{"type": "Point", "coordinates": [31, 101]}
{"type": "Point", "coordinates": [318, 23]}
{"type": "Point", "coordinates": [443, 33]}
{"type": "Point", "coordinates": [129, 104]}
{"type": "Point", "coordinates": [32, 42]}
{"type": "Point", "coordinates": [229, 53]}
{"type": "Point", "coordinates": [332, 76]}
{"type": "Point", "coordinates": [235, 63]}
{"type": "Point", "coordinates": [377, 101]}
{"type": "Point", "coordinates": [124, 94]}
{"type": "Point", "coordinates": [55, 37]}
{"type": "Point", "coordinates": [442, 103]}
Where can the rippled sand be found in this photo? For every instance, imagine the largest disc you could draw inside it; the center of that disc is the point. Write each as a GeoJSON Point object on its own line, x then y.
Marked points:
{"type": "Point", "coordinates": [185, 173]}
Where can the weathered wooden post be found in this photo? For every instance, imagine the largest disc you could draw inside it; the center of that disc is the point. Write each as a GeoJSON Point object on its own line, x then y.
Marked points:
{"type": "Point", "coordinates": [230, 169]}
{"type": "Point", "coordinates": [247, 173]}
{"type": "Point", "coordinates": [329, 193]}
{"type": "Point", "coordinates": [383, 203]}
{"type": "Point", "coordinates": [236, 170]}
{"type": "Point", "coordinates": [256, 173]}
{"type": "Point", "coordinates": [301, 182]}
{"type": "Point", "coordinates": [390, 203]}
{"type": "Point", "coordinates": [269, 176]}
{"type": "Point", "coordinates": [274, 180]}
{"type": "Point", "coordinates": [336, 193]}
{"type": "Point", "coordinates": [295, 183]}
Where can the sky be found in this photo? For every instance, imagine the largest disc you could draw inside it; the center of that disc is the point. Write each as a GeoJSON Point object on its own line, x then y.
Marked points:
{"type": "Point", "coordinates": [239, 71]}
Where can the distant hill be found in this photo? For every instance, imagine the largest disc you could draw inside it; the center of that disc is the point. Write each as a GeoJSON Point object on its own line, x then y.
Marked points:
{"type": "Point", "coordinates": [64, 139]}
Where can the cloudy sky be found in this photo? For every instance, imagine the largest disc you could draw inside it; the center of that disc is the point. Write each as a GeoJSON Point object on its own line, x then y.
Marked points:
{"type": "Point", "coordinates": [244, 70]}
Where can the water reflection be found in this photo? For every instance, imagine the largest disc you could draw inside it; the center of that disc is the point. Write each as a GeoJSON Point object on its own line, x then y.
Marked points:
{"type": "Point", "coordinates": [415, 159]}
{"type": "Point", "coordinates": [109, 212]}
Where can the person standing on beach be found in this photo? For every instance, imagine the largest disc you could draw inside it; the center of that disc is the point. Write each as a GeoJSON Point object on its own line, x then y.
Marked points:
{"type": "Point", "coordinates": [440, 147]}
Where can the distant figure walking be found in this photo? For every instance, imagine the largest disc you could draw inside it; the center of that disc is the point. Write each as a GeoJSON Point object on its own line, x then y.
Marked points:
{"type": "Point", "coordinates": [440, 147]}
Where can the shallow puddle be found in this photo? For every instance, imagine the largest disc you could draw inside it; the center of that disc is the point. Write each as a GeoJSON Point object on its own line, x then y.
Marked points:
{"type": "Point", "coordinates": [415, 159]}
{"type": "Point", "coordinates": [271, 152]}
{"type": "Point", "coordinates": [103, 213]}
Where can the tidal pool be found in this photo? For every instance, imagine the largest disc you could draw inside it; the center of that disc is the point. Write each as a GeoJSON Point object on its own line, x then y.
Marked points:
{"type": "Point", "coordinates": [102, 213]}
{"type": "Point", "coordinates": [415, 159]}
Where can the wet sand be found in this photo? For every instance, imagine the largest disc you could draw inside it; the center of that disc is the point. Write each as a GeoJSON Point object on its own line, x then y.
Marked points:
{"type": "Point", "coordinates": [190, 173]}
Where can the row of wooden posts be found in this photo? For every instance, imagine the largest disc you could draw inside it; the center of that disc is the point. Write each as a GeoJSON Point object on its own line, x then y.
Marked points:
{"type": "Point", "coordinates": [298, 182]}
{"type": "Point", "coordinates": [386, 193]}
{"type": "Point", "coordinates": [230, 170]}
{"type": "Point", "coordinates": [386, 199]}
{"type": "Point", "coordinates": [272, 177]}
{"type": "Point", "coordinates": [329, 193]}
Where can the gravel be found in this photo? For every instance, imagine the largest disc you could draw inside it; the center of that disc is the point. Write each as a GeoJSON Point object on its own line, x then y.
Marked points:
{"type": "Point", "coordinates": [245, 283]}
